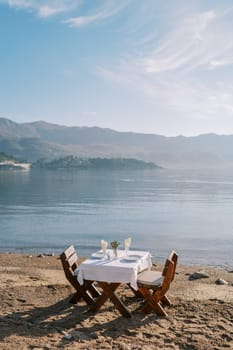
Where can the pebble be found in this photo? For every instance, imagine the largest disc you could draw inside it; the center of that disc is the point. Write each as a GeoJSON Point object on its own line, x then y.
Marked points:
{"type": "Point", "coordinates": [221, 281]}
{"type": "Point", "coordinates": [82, 336]}
{"type": "Point", "coordinates": [30, 324]}
{"type": "Point", "coordinates": [52, 287]}
{"type": "Point", "coordinates": [67, 336]}
{"type": "Point", "coordinates": [21, 300]}
{"type": "Point", "coordinates": [199, 274]}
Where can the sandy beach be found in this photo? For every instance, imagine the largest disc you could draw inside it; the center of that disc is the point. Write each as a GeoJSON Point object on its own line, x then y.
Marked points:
{"type": "Point", "coordinates": [36, 314]}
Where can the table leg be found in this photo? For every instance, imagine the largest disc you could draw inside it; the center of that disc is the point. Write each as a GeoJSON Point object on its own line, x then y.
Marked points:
{"type": "Point", "coordinates": [109, 293]}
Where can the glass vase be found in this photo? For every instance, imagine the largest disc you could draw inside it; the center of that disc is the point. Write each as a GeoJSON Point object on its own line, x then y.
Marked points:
{"type": "Point", "coordinates": [115, 252]}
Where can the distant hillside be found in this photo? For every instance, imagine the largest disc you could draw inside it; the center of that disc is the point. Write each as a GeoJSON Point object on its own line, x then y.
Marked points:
{"type": "Point", "coordinates": [5, 157]}
{"type": "Point", "coordinates": [36, 140]}
{"type": "Point", "coordinates": [72, 162]}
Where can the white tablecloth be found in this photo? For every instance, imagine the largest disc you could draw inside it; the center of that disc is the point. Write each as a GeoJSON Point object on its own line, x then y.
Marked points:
{"type": "Point", "coordinates": [116, 269]}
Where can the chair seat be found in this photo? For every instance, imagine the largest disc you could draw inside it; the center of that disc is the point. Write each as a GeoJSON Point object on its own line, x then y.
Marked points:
{"type": "Point", "coordinates": [152, 279]}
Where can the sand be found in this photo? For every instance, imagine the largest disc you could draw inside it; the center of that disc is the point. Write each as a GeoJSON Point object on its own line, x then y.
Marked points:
{"type": "Point", "coordinates": [36, 314]}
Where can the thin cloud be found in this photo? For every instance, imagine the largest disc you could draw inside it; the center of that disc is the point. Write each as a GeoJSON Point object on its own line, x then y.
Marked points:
{"type": "Point", "coordinates": [109, 10]}
{"type": "Point", "coordinates": [17, 3]}
{"type": "Point", "coordinates": [189, 96]}
{"type": "Point", "coordinates": [46, 11]}
{"type": "Point", "coordinates": [182, 73]}
{"type": "Point", "coordinates": [43, 9]}
{"type": "Point", "coordinates": [201, 40]}
{"type": "Point", "coordinates": [221, 63]}
{"type": "Point", "coordinates": [187, 45]}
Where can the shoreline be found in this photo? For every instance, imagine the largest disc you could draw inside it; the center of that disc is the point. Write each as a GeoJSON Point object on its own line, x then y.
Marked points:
{"type": "Point", "coordinates": [34, 296]}
{"type": "Point", "coordinates": [36, 251]}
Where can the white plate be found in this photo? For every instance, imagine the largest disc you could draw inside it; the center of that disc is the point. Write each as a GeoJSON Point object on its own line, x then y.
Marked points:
{"type": "Point", "coordinates": [132, 258]}
{"type": "Point", "coordinates": [97, 255]}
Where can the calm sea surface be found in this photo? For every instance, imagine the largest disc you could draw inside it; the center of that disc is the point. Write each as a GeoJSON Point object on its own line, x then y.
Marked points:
{"type": "Point", "coordinates": [190, 211]}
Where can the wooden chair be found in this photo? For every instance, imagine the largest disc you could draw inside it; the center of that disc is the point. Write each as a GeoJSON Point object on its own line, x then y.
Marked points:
{"type": "Point", "coordinates": [153, 285]}
{"type": "Point", "coordinates": [87, 291]}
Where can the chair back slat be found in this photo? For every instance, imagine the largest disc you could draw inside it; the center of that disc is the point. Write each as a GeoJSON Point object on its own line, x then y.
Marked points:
{"type": "Point", "coordinates": [69, 262]}
{"type": "Point", "coordinates": [173, 256]}
{"type": "Point", "coordinates": [73, 261]}
{"type": "Point", "coordinates": [71, 257]}
{"type": "Point", "coordinates": [168, 268]}
{"type": "Point", "coordinates": [69, 251]}
{"type": "Point", "coordinates": [174, 259]}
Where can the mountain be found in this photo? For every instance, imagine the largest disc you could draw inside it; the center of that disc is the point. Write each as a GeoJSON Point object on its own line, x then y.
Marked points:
{"type": "Point", "coordinates": [40, 139]}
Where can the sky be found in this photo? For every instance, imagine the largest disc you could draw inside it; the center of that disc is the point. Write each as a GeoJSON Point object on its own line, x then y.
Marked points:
{"type": "Point", "coordinates": [149, 66]}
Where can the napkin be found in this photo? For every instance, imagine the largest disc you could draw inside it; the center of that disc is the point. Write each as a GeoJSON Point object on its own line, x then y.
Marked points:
{"type": "Point", "coordinates": [127, 243]}
{"type": "Point", "coordinates": [104, 245]}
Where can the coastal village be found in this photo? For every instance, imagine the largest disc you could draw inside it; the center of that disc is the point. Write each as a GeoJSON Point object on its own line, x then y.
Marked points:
{"type": "Point", "coordinates": [10, 164]}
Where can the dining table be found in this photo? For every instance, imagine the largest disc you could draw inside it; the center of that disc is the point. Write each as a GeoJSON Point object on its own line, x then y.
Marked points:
{"type": "Point", "coordinates": [110, 271]}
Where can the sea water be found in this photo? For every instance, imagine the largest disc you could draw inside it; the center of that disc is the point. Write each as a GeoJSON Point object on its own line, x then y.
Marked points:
{"type": "Point", "coordinates": [187, 210]}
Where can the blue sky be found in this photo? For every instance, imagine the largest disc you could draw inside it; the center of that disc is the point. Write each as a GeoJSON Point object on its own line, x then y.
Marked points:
{"type": "Point", "coordinates": [152, 66]}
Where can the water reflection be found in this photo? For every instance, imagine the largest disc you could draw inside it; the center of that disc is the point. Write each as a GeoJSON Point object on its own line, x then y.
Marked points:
{"type": "Point", "coordinates": [160, 210]}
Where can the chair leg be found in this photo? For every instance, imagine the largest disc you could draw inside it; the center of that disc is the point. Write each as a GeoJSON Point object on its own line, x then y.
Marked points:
{"type": "Point", "coordinates": [151, 303]}
{"type": "Point", "coordinates": [86, 295]}
{"type": "Point", "coordinates": [157, 308]}
{"type": "Point", "coordinates": [94, 291]}
{"type": "Point", "coordinates": [166, 301]}
{"type": "Point", "coordinates": [75, 298]}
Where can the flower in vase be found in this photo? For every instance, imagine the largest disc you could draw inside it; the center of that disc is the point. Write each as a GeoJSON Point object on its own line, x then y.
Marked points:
{"type": "Point", "coordinates": [115, 244]}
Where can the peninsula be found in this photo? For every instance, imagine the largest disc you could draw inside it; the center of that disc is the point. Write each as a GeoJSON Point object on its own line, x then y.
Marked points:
{"type": "Point", "coordinates": [72, 162]}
